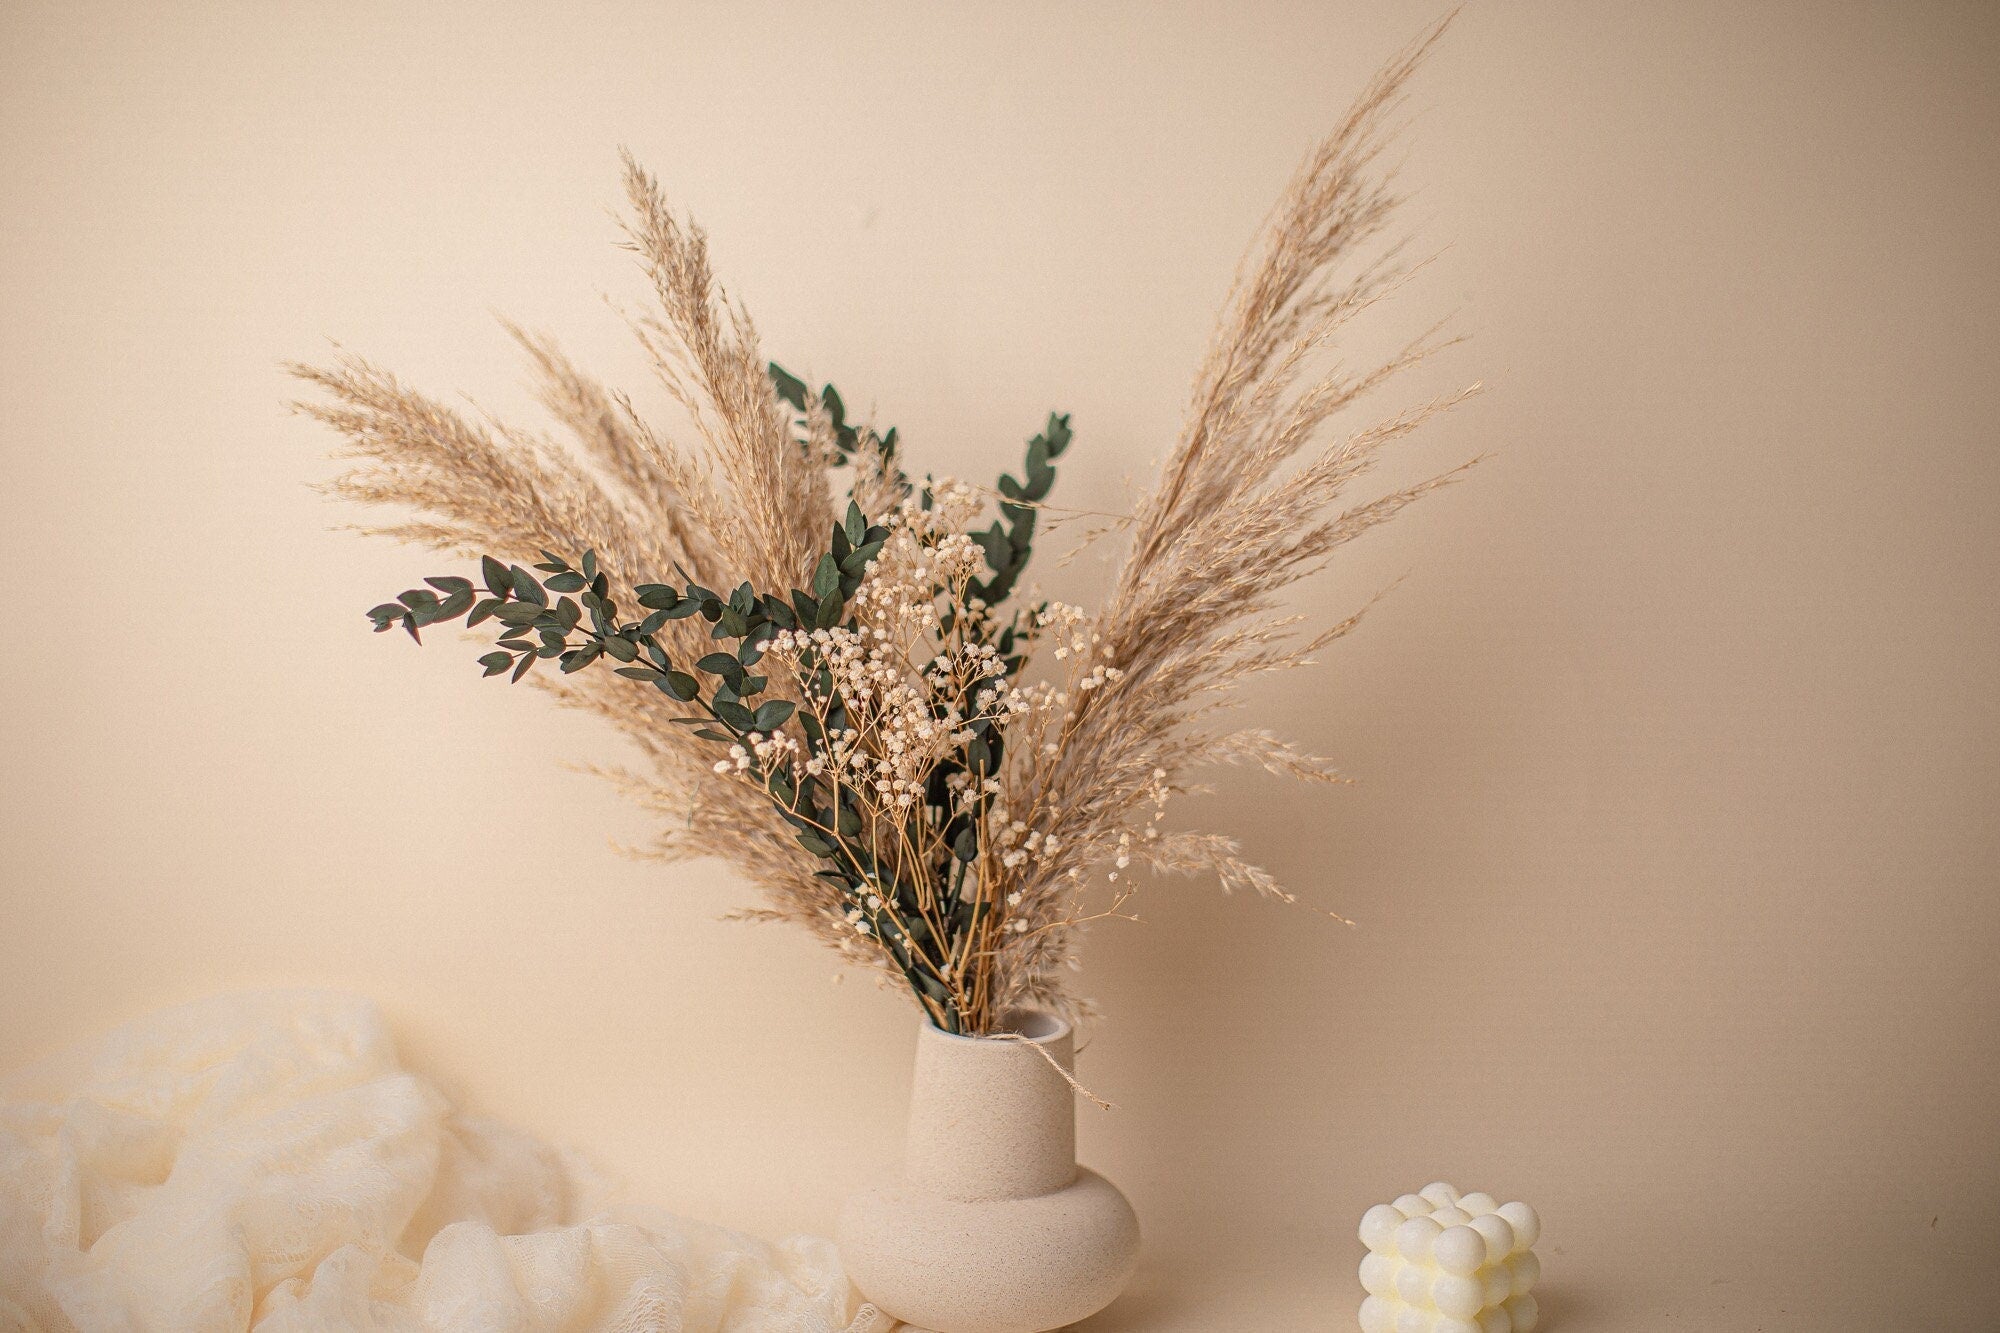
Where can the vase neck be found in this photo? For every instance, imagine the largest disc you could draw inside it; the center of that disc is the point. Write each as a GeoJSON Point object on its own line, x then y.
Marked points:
{"type": "Point", "coordinates": [990, 1118]}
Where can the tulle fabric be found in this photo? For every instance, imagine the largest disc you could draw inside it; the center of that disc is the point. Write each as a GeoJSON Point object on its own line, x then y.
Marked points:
{"type": "Point", "coordinates": [263, 1162]}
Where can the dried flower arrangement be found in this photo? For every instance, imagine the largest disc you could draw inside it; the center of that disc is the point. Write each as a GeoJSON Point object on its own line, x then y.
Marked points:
{"type": "Point", "coordinates": [849, 703]}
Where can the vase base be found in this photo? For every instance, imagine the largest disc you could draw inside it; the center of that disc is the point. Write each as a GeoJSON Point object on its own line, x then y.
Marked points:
{"type": "Point", "coordinates": [991, 1266]}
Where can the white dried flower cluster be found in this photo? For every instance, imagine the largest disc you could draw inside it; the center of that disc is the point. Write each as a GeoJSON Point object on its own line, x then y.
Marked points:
{"type": "Point", "coordinates": [1157, 791]}
{"type": "Point", "coordinates": [763, 752]}
{"type": "Point", "coordinates": [906, 689]}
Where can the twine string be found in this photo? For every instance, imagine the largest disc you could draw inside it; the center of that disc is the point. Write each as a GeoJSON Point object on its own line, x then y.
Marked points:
{"type": "Point", "coordinates": [1054, 1064]}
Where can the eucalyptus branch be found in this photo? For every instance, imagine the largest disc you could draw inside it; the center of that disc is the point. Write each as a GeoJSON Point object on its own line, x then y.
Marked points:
{"type": "Point", "coordinates": [563, 611]}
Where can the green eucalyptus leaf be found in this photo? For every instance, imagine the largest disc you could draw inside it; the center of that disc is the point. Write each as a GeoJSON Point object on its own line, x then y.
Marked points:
{"type": "Point", "coordinates": [498, 581]}
{"type": "Point", "coordinates": [788, 386]}
{"type": "Point", "coordinates": [527, 588]}
{"type": "Point", "coordinates": [495, 663]}
{"type": "Point", "coordinates": [772, 715]}
{"type": "Point", "coordinates": [857, 559]}
{"type": "Point", "coordinates": [1058, 434]}
{"type": "Point", "coordinates": [999, 551]}
{"type": "Point", "coordinates": [826, 578]}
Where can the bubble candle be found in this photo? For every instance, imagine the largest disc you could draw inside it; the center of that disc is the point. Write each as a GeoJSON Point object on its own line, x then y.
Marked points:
{"type": "Point", "coordinates": [1443, 1262]}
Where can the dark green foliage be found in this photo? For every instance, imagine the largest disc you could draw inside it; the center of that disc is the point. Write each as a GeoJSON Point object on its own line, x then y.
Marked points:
{"type": "Point", "coordinates": [566, 615]}
{"type": "Point", "coordinates": [1010, 542]}
{"type": "Point", "coordinates": [793, 390]}
{"type": "Point", "coordinates": [534, 627]}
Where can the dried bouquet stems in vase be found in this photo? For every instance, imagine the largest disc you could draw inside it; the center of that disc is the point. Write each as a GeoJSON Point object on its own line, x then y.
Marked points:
{"type": "Point", "coordinates": [827, 662]}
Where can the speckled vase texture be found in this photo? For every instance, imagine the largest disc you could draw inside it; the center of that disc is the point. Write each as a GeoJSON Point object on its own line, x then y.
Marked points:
{"type": "Point", "coordinates": [991, 1227]}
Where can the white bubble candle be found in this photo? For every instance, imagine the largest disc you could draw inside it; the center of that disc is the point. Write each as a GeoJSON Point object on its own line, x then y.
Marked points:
{"type": "Point", "coordinates": [1443, 1262]}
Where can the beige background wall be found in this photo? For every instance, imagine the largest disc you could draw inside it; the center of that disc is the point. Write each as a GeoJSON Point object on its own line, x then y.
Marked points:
{"type": "Point", "coordinates": [1675, 852]}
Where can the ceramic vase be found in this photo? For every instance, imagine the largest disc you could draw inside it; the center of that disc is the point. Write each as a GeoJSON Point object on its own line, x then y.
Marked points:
{"type": "Point", "coordinates": [991, 1227]}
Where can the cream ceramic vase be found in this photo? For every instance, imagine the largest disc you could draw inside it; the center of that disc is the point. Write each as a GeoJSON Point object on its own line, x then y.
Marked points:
{"type": "Point", "coordinates": [992, 1226]}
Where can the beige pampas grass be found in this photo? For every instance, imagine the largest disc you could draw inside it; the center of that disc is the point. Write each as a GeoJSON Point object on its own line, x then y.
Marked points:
{"type": "Point", "coordinates": [1196, 610]}
{"type": "Point", "coordinates": [1251, 499]}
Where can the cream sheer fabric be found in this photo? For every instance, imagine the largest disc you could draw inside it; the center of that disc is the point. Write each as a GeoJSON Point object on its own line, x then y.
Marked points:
{"type": "Point", "coordinates": [264, 1162]}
